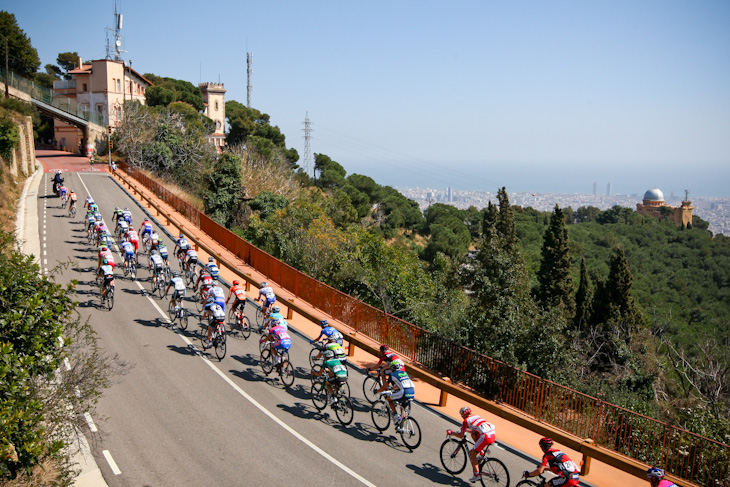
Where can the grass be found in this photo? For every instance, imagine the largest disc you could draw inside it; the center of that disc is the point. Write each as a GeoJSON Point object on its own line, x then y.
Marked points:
{"type": "Point", "coordinates": [10, 189]}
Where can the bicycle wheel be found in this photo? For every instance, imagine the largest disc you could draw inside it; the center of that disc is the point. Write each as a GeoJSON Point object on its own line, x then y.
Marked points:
{"type": "Point", "coordinates": [287, 374]}
{"type": "Point", "coordinates": [410, 433]}
{"type": "Point", "coordinates": [183, 324]}
{"type": "Point", "coordinates": [343, 409]}
{"type": "Point", "coordinates": [525, 483]}
{"type": "Point", "coordinates": [494, 473]}
{"type": "Point", "coordinates": [73, 212]}
{"type": "Point", "coordinates": [198, 302]}
{"type": "Point", "coordinates": [160, 287]}
{"type": "Point", "coordinates": [245, 329]}
{"type": "Point", "coordinates": [110, 298]}
{"type": "Point", "coordinates": [453, 456]}
{"type": "Point", "coordinates": [369, 387]}
{"type": "Point", "coordinates": [171, 311]}
{"type": "Point", "coordinates": [315, 361]}
{"type": "Point", "coordinates": [220, 346]}
{"type": "Point", "coordinates": [319, 395]}
{"type": "Point", "coordinates": [380, 413]}
{"type": "Point", "coordinates": [190, 278]}
{"type": "Point", "coordinates": [167, 272]}
{"type": "Point", "coordinates": [266, 361]}
{"type": "Point", "coordinates": [259, 316]}
{"type": "Point", "coordinates": [203, 335]}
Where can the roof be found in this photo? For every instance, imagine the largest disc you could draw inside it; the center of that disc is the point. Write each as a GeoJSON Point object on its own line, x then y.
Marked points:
{"type": "Point", "coordinates": [654, 194]}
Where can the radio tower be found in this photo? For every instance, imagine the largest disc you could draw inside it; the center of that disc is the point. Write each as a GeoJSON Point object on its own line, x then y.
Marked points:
{"type": "Point", "coordinates": [117, 35]}
{"type": "Point", "coordinates": [307, 145]}
{"type": "Point", "coordinates": [249, 70]}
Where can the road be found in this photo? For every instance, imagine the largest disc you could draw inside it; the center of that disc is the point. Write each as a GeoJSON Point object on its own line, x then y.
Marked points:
{"type": "Point", "coordinates": [181, 417]}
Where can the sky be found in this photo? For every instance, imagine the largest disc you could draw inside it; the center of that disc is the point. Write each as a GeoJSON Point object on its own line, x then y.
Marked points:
{"type": "Point", "coordinates": [536, 96]}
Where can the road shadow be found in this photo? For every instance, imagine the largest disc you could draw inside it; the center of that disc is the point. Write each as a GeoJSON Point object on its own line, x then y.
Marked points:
{"type": "Point", "coordinates": [186, 350]}
{"type": "Point", "coordinates": [149, 323]}
{"type": "Point", "coordinates": [438, 475]}
{"type": "Point", "coordinates": [249, 375]}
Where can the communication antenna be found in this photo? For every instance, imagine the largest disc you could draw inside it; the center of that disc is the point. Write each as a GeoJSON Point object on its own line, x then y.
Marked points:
{"type": "Point", "coordinates": [686, 195]}
{"type": "Point", "coordinates": [307, 145]}
{"type": "Point", "coordinates": [118, 19]}
{"type": "Point", "coordinates": [249, 71]}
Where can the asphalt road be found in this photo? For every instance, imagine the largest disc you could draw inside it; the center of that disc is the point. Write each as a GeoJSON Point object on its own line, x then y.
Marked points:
{"type": "Point", "coordinates": [180, 417]}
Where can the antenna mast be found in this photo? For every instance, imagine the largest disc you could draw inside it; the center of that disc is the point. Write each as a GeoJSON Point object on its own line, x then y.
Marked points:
{"type": "Point", "coordinates": [117, 35]}
{"type": "Point", "coordinates": [249, 70]}
{"type": "Point", "coordinates": [307, 145]}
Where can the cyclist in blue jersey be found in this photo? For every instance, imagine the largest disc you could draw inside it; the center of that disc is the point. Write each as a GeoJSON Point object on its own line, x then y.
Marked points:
{"type": "Point", "coordinates": [328, 332]}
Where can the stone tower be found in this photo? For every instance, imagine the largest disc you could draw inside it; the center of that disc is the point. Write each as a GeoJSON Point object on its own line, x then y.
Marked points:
{"type": "Point", "coordinates": [214, 97]}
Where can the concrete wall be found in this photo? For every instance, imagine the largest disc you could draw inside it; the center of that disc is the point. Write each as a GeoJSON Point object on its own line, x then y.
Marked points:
{"type": "Point", "coordinates": [23, 161]}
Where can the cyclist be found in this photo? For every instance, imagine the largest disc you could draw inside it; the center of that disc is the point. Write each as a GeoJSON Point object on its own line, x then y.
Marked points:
{"type": "Point", "coordinates": [482, 433]}
{"type": "Point", "coordinates": [337, 349]}
{"type": "Point", "coordinates": [266, 296]}
{"type": "Point", "coordinates": [108, 272]}
{"type": "Point", "coordinates": [57, 180]}
{"type": "Point", "coordinates": [72, 198]}
{"type": "Point", "coordinates": [154, 240]}
{"type": "Point", "coordinates": [558, 462]}
{"type": "Point", "coordinates": [122, 228]}
{"type": "Point", "coordinates": [90, 221]}
{"type": "Point", "coordinates": [401, 388]}
{"type": "Point", "coordinates": [240, 292]}
{"type": "Point", "coordinates": [276, 316]}
{"type": "Point", "coordinates": [212, 268]}
{"type": "Point", "coordinates": [280, 340]}
{"type": "Point", "coordinates": [162, 248]}
{"type": "Point", "coordinates": [105, 257]}
{"type": "Point", "coordinates": [155, 266]}
{"type": "Point", "coordinates": [336, 373]}
{"type": "Point", "coordinates": [117, 215]}
{"type": "Point", "coordinates": [656, 478]}
{"type": "Point", "coordinates": [88, 201]}
{"type": "Point", "coordinates": [62, 192]}
{"type": "Point", "coordinates": [145, 228]}
{"type": "Point", "coordinates": [328, 332]}
{"type": "Point", "coordinates": [95, 208]}
{"type": "Point", "coordinates": [128, 250]}
{"type": "Point", "coordinates": [190, 260]}
{"type": "Point", "coordinates": [387, 357]}
{"type": "Point", "coordinates": [179, 285]}
{"type": "Point", "coordinates": [104, 239]}
{"type": "Point", "coordinates": [219, 295]}
{"type": "Point", "coordinates": [207, 281]}
{"type": "Point", "coordinates": [133, 238]}
{"type": "Point", "coordinates": [181, 245]}
{"type": "Point", "coordinates": [127, 216]}
{"type": "Point", "coordinates": [216, 317]}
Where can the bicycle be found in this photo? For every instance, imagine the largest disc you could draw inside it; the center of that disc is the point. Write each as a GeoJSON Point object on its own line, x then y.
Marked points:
{"type": "Point", "coordinates": [239, 321]}
{"type": "Point", "coordinates": [72, 210]}
{"type": "Point", "coordinates": [370, 386]}
{"type": "Point", "coordinates": [218, 339]}
{"type": "Point", "coordinates": [454, 454]}
{"type": "Point", "coordinates": [158, 285]}
{"type": "Point", "coordinates": [284, 368]}
{"type": "Point", "coordinates": [178, 312]}
{"type": "Point", "coordinates": [166, 272]}
{"type": "Point", "coordinates": [317, 348]}
{"type": "Point", "coordinates": [131, 269]}
{"type": "Point", "coordinates": [146, 245]}
{"type": "Point", "coordinates": [190, 276]}
{"type": "Point", "coordinates": [341, 404]}
{"type": "Point", "coordinates": [107, 298]}
{"type": "Point", "coordinates": [541, 483]}
{"type": "Point", "coordinates": [407, 426]}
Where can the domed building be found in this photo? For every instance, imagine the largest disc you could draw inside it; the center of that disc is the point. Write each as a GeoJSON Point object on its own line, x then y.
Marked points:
{"type": "Point", "coordinates": [653, 205]}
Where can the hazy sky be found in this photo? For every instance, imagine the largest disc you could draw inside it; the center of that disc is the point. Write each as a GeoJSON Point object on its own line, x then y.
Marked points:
{"type": "Point", "coordinates": [543, 96]}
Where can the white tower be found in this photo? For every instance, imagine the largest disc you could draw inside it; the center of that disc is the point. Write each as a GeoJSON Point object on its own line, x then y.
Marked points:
{"type": "Point", "coordinates": [214, 97]}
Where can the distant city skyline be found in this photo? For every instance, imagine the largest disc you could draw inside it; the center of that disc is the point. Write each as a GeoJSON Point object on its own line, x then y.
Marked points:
{"type": "Point", "coordinates": [533, 96]}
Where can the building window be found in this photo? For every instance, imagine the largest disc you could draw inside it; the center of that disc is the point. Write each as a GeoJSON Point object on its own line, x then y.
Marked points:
{"type": "Point", "coordinates": [119, 85]}
{"type": "Point", "coordinates": [84, 85]}
{"type": "Point", "coordinates": [216, 106]}
{"type": "Point", "coordinates": [119, 114]}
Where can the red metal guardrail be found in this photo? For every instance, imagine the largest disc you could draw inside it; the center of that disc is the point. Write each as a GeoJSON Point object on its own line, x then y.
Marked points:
{"type": "Point", "coordinates": [680, 452]}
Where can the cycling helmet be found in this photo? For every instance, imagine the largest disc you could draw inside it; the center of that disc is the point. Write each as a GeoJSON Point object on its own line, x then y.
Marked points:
{"type": "Point", "coordinates": [175, 274]}
{"type": "Point", "coordinates": [116, 209]}
{"type": "Point", "coordinates": [264, 284]}
{"type": "Point", "coordinates": [276, 309]}
{"type": "Point", "coordinates": [103, 248]}
{"type": "Point", "coordinates": [655, 472]}
{"type": "Point", "coordinates": [396, 366]}
{"type": "Point", "coordinates": [60, 171]}
{"type": "Point", "coordinates": [235, 282]}
{"type": "Point", "coordinates": [215, 283]}
{"type": "Point", "coordinates": [464, 412]}
{"type": "Point", "coordinates": [211, 259]}
{"type": "Point", "coordinates": [546, 442]}
{"type": "Point", "coordinates": [329, 354]}
{"type": "Point", "coordinates": [323, 323]}
{"type": "Point", "coordinates": [383, 348]}
{"type": "Point", "coordinates": [126, 208]}
{"type": "Point", "coordinates": [181, 236]}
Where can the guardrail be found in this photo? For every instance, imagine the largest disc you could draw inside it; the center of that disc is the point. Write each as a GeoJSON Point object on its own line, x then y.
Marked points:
{"type": "Point", "coordinates": [609, 433]}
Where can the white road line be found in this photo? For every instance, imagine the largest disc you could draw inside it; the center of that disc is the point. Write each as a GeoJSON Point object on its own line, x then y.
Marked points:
{"type": "Point", "coordinates": [111, 462]}
{"type": "Point", "coordinates": [90, 421]}
{"type": "Point", "coordinates": [45, 261]}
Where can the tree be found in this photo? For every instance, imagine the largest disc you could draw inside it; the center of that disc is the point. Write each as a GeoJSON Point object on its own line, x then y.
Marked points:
{"type": "Point", "coordinates": [23, 57]}
{"type": "Point", "coordinates": [159, 96]}
{"type": "Point", "coordinates": [505, 222]}
{"type": "Point", "coordinates": [66, 62]}
{"type": "Point", "coordinates": [554, 281]}
{"type": "Point", "coordinates": [223, 198]}
{"type": "Point", "coordinates": [583, 298]}
{"type": "Point", "coordinates": [266, 203]}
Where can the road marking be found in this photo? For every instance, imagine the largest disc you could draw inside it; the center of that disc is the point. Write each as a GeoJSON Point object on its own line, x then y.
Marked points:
{"type": "Point", "coordinates": [45, 261]}
{"type": "Point", "coordinates": [111, 462]}
{"type": "Point", "coordinates": [90, 422]}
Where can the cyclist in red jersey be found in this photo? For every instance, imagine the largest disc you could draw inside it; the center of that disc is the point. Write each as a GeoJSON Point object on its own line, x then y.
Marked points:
{"type": "Point", "coordinates": [240, 293]}
{"type": "Point", "coordinates": [656, 478]}
{"type": "Point", "coordinates": [387, 357]}
{"type": "Point", "coordinates": [559, 463]}
{"type": "Point", "coordinates": [482, 433]}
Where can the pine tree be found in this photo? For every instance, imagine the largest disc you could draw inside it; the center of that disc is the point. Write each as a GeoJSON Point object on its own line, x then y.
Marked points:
{"type": "Point", "coordinates": [489, 221]}
{"type": "Point", "coordinates": [555, 283]}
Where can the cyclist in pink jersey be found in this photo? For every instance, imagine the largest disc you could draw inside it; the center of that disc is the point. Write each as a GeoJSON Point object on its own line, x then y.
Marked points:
{"type": "Point", "coordinates": [656, 478]}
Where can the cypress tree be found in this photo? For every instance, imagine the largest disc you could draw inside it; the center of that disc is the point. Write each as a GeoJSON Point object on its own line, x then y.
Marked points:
{"type": "Point", "coordinates": [505, 224]}
{"type": "Point", "coordinates": [583, 298]}
{"type": "Point", "coordinates": [555, 283]}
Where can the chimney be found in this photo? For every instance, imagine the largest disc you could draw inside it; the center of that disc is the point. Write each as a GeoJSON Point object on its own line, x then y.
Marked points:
{"type": "Point", "coordinates": [81, 63]}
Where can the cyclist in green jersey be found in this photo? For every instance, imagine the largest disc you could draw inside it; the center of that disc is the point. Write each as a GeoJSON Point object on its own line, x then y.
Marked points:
{"type": "Point", "coordinates": [335, 370]}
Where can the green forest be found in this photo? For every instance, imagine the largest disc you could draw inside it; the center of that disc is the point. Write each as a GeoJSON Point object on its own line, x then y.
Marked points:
{"type": "Point", "coordinates": [632, 309]}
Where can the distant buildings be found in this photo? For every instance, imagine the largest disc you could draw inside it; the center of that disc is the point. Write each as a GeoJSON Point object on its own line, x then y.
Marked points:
{"type": "Point", "coordinates": [653, 205]}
